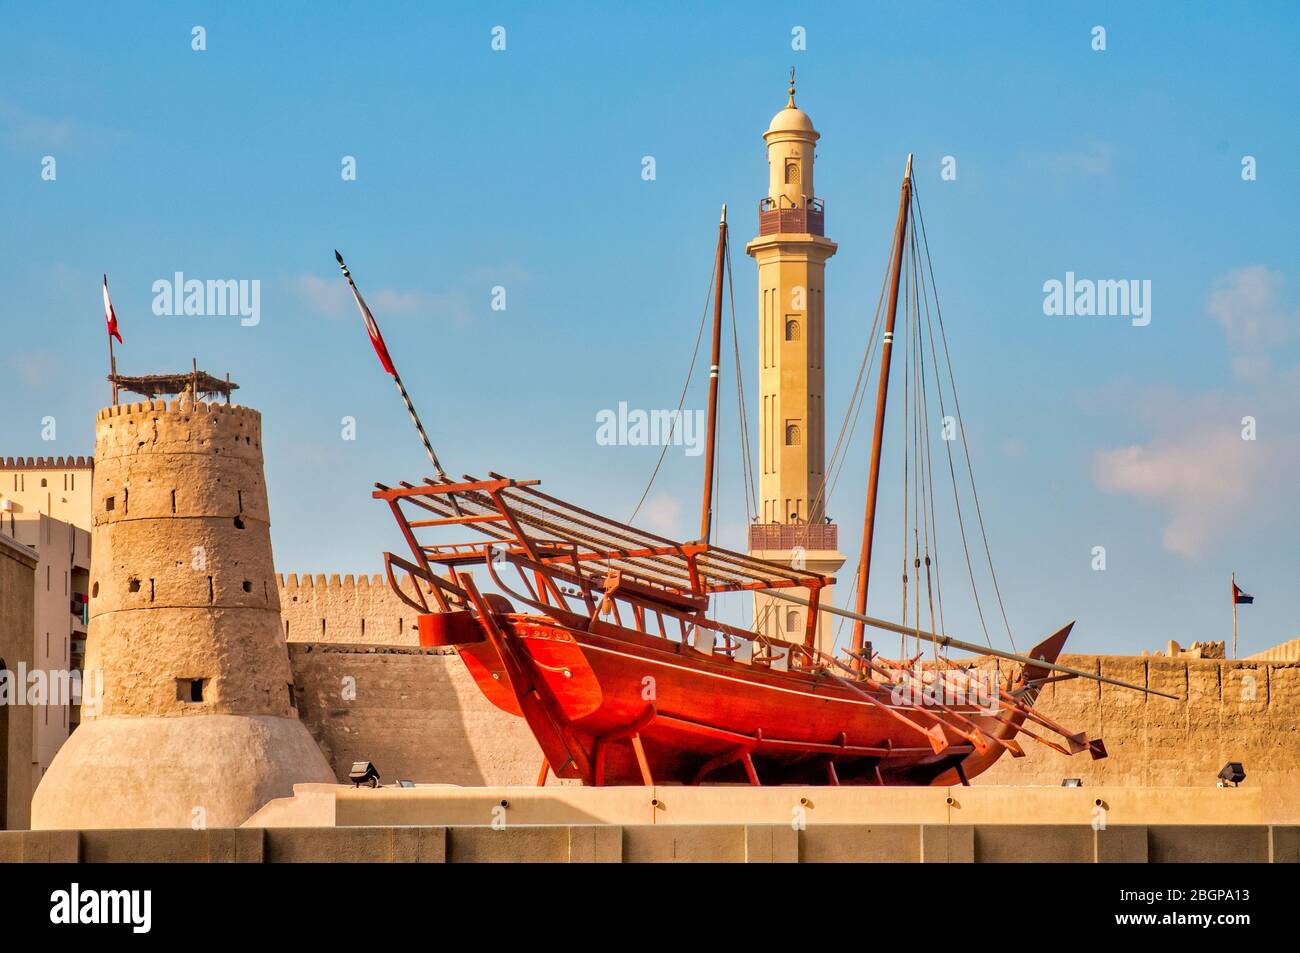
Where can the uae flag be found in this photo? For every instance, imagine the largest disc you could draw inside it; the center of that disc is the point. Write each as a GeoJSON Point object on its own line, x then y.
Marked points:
{"type": "Point", "coordinates": [109, 315]}
{"type": "Point", "coordinates": [1239, 597]}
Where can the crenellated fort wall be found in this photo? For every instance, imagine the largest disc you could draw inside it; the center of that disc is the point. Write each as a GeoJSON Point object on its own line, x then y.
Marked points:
{"type": "Point", "coordinates": [1245, 710]}
{"type": "Point", "coordinates": [351, 609]}
{"type": "Point", "coordinates": [1286, 652]}
{"type": "Point", "coordinates": [369, 692]}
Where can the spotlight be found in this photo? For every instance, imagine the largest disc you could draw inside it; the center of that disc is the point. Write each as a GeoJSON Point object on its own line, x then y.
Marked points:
{"type": "Point", "coordinates": [1072, 782]}
{"type": "Point", "coordinates": [363, 772]}
{"type": "Point", "coordinates": [1233, 773]}
{"type": "Point", "coordinates": [405, 784]}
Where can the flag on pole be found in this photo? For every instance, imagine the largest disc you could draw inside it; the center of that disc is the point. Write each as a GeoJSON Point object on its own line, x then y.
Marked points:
{"type": "Point", "coordinates": [1239, 597]}
{"type": "Point", "coordinates": [109, 315]}
{"type": "Point", "coordinates": [372, 328]}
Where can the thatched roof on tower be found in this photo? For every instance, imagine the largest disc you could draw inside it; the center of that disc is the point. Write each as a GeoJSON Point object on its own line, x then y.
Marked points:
{"type": "Point", "coordinates": [201, 383]}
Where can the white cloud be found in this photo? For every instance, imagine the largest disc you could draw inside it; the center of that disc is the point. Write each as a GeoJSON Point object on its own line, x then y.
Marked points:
{"type": "Point", "coordinates": [1092, 159]}
{"type": "Point", "coordinates": [1203, 481]}
{"type": "Point", "coordinates": [1247, 303]}
{"type": "Point", "coordinates": [37, 369]}
{"type": "Point", "coordinates": [333, 298]}
{"type": "Point", "coordinates": [324, 296]}
{"type": "Point", "coordinates": [1197, 467]}
{"type": "Point", "coordinates": [29, 131]}
{"type": "Point", "coordinates": [660, 514]}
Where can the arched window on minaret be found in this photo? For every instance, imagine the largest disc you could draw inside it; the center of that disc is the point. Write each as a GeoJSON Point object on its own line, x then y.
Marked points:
{"type": "Point", "coordinates": [792, 620]}
{"type": "Point", "coordinates": [792, 329]}
{"type": "Point", "coordinates": [791, 172]}
{"type": "Point", "coordinates": [792, 435]}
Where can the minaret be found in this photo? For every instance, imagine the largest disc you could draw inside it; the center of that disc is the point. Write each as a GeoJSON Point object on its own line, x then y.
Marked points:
{"type": "Point", "coordinates": [189, 716]}
{"type": "Point", "coordinates": [791, 251]}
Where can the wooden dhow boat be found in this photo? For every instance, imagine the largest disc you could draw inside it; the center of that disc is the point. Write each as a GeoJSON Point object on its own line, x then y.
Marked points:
{"type": "Point", "coordinates": [599, 634]}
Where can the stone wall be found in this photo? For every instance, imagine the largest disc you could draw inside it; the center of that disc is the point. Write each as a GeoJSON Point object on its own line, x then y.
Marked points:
{"type": "Point", "coordinates": [1231, 710]}
{"type": "Point", "coordinates": [352, 610]}
{"type": "Point", "coordinates": [1286, 652]}
{"type": "Point", "coordinates": [414, 712]}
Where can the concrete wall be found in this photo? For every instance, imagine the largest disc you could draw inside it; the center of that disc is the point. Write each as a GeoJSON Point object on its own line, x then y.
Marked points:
{"type": "Point", "coordinates": [340, 805]}
{"type": "Point", "coordinates": [734, 843]}
{"type": "Point", "coordinates": [17, 616]}
{"type": "Point", "coordinates": [1234, 710]}
{"type": "Point", "coordinates": [414, 712]}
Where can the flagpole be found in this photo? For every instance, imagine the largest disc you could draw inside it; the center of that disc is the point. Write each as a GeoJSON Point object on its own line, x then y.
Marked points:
{"type": "Point", "coordinates": [112, 368]}
{"type": "Point", "coordinates": [401, 388]}
{"type": "Point", "coordinates": [112, 360]}
{"type": "Point", "coordinates": [1234, 615]}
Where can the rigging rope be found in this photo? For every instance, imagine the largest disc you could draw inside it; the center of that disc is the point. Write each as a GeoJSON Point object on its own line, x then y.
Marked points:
{"type": "Point", "coordinates": [854, 408]}
{"type": "Point", "coordinates": [932, 524]}
{"type": "Point", "coordinates": [747, 461]}
{"type": "Point", "coordinates": [961, 522]}
{"type": "Point", "coordinates": [961, 426]}
{"type": "Point", "coordinates": [924, 461]}
{"type": "Point", "coordinates": [690, 372]}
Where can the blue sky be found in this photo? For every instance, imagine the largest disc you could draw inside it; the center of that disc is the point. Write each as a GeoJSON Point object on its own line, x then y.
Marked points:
{"type": "Point", "coordinates": [522, 169]}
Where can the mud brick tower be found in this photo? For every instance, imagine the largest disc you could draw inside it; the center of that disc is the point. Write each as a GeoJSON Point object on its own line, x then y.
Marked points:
{"type": "Point", "coordinates": [189, 717]}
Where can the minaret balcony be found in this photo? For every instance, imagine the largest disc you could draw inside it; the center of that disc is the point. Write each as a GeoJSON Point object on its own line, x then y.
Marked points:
{"type": "Point", "coordinates": [788, 536]}
{"type": "Point", "coordinates": [808, 220]}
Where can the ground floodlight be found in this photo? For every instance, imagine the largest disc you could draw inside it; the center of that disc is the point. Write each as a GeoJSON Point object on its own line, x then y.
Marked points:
{"type": "Point", "coordinates": [1233, 773]}
{"type": "Point", "coordinates": [1072, 782]}
{"type": "Point", "coordinates": [363, 772]}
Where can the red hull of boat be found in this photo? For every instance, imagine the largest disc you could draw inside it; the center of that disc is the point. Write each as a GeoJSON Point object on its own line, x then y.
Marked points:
{"type": "Point", "coordinates": [614, 706]}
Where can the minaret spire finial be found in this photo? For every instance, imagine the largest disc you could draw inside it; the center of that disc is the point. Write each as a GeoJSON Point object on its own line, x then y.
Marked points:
{"type": "Point", "coordinates": [790, 104]}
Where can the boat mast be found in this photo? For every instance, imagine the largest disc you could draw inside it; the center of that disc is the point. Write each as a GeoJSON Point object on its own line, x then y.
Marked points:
{"type": "Point", "coordinates": [887, 350]}
{"type": "Point", "coordinates": [706, 512]}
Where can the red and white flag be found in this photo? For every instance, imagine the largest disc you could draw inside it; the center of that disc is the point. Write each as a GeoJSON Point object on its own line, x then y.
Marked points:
{"type": "Point", "coordinates": [372, 328]}
{"type": "Point", "coordinates": [109, 316]}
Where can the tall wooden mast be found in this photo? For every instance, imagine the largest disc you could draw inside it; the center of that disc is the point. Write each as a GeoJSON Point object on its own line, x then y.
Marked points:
{"type": "Point", "coordinates": [719, 267]}
{"type": "Point", "coordinates": [886, 353]}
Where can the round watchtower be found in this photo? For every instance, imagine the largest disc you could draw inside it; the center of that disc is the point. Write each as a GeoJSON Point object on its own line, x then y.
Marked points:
{"type": "Point", "coordinates": [189, 715]}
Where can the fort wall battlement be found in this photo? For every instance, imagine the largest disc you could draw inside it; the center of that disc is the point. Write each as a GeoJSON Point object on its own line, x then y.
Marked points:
{"type": "Point", "coordinates": [1245, 710]}
{"type": "Point", "coordinates": [358, 609]}
{"type": "Point", "coordinates": [47, 463]}
{"type": "Point", "coordinates": [177, 405]}
{"type": "Point", "coordinates": [1286, 652]}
